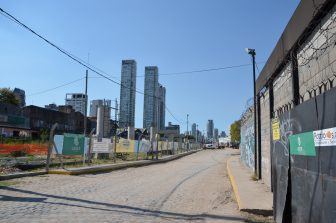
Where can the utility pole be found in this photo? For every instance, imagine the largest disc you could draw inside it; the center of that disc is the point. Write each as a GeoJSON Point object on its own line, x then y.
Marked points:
{"type": "Point", "coordinates": [85, 111]}
{"type": "Point", "coordinates": [187, 132]}
{"type": "Point", "coordinates": [187, 124]}
{"type": "Point", "coordinates": [256, 161]}
{"type": "Point", "coordinates": [86, 102]}
{"type": "Point", "coordinates": [115, 133]}
{"type": "Point", "coordinates": [196, 133]}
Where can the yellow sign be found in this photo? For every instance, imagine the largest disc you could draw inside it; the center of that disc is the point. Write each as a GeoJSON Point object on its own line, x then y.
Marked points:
{"type": "Point", "coordinates": [125, 146]}
{"type": "Point", "coordinates": [276, 129]}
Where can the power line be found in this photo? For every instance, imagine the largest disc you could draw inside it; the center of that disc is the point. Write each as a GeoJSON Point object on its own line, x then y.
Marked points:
{"type": "Point", "coordinates": [99, 71]}
{"type": "Point", "coordinates": [54, 88]}
{"type": "Point", "coordinates": [73, 57]}
{"type": "Point", "coordinates": [257, 68]}
{"type": "Point", "coordinates": [59, 86]}
{"type": "Point", "coordinates": [205, 70]}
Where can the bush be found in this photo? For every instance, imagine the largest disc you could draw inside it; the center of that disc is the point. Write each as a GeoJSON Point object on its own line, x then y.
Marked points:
{"type": "Point", "coordinates": [18, 153]}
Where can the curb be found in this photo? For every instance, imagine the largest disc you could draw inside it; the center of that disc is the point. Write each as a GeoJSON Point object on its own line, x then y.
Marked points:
{"type": "Point", "coordinates": [242, 205]}
{"type": "Point", "coordinates": [112, 167]}
{"type": "Point", "coordinates": [233, 183]}
{"type": "Point", "coordinates": [19, 175]}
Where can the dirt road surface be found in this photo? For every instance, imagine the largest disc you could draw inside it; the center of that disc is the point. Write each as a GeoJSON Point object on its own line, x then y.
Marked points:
{"type": "Point", "coordinates": [195, 188]}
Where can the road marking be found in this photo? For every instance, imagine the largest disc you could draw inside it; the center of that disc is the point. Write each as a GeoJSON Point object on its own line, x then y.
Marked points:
{"type": "Point", "coordinates": [233, 182]}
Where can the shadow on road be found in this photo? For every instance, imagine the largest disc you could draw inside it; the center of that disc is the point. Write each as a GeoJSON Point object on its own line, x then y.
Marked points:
{"type": "Point", "coordinates": [108, 206]}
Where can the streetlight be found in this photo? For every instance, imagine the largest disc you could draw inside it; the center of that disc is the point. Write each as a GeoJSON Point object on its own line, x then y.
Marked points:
{"type": "Point", "coordinates": [253, 54]}
{"type": "Point", "coordinates": [196, 133]}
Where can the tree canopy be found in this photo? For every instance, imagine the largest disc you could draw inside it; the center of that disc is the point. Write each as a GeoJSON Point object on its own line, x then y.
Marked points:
{"type": "Point", "coordinates": [235, 131]}
{"type": "Point", "coordinates": [7, 96]}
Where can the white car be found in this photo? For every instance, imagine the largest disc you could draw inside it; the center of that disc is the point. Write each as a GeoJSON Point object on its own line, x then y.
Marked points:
{"type": "Point", "coordinates": [210, 146]}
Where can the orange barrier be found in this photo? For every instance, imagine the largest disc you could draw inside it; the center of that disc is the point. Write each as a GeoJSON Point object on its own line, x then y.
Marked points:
{"type": "Point", "coordinates": [31, 149]}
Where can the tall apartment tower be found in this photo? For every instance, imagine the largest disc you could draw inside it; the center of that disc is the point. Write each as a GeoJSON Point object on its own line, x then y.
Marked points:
{"type": "Point", "coordinates": [162, 107]}
{"type": "Point", "coordinates": [193, 130]}
{"type": "Point", "coordinates": [215, 134]}
{"type": "Point", "coordinates": [150, 114]}
{"type": "Point", "coordinates": [127, 93]}
{"type": "Point", "coordinates": [77, 101]}
{"type": "Point", "coordinates": [210, 129]}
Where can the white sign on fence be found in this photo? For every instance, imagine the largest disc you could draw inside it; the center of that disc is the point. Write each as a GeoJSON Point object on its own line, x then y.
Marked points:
{"type": "Point", "coordinates": [325, 137]}
{"type": "Point", "coordinates": [105, 146]}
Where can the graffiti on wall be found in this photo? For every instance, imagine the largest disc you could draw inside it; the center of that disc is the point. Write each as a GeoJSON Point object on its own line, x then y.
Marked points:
{"type": "Point", "coordinates": [287, 126]}
{"type": "Point", "coordinates": [247, 141]}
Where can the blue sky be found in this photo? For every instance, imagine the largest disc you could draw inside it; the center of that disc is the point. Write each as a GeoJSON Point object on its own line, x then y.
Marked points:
{"type": "Point", "coordinates": [175, 35]}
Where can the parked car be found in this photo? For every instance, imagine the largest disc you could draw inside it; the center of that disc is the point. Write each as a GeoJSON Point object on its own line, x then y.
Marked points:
{"type": "Point", "coordinates": [234, 145]}
{"type": "Point", "coordinates": [210, 146]}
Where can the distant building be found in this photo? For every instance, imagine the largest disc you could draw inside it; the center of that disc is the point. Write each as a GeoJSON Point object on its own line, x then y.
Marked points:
{"type": "Point", "coordinates": [127, 93]}
{"type": "Point", "coordinates": [194, 130]}
{"type": "Point", "coordinates": [65, 109]}
{"type": "Point", "coordinates": [94, 104]}
{"type": "Point", "coordinates": [43, 118]}
{"type": "Point", "coordinates": [223, 134]}
{"type": "Point", "coordinates": [199, 136]}
{"type": "Point", "coordinates": [20, 96]}
{"type": "Point", "coordinates": [162, 107]}
{"type": "Point", "coordinates": [171, 131]}
{"type": "Point", "coordinates": [12, 123]}
{"type": "Point", "coordinates": [150, 113]}
{"type": "Point", "coordinates": [52, 106]}
{"type": "Point", "coordinates": [106, 106]}
{"type": "Point", "coordinates": [210, 129]}
{"type": "Point", "coordinates": [215, 134]}
{"type": "Point", "coordinates": [77, 101]}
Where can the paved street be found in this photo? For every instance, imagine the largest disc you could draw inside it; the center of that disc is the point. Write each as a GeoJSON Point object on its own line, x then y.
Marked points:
{"type": "Point", "coordinates": [195, 188]}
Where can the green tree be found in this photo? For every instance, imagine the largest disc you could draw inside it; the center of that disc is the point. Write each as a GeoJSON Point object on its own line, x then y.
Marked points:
{"type": "Point", "coordinates": [235, 131]}
{"type": "Point", "coordinates": [44, 135]}
{"type": "Point", "coordinates": [7, 96]}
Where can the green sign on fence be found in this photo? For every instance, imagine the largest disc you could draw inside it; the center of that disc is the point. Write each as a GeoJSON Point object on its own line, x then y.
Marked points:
{"type": "Point", "coordinates": [73, 144]}
{"type": "Point", "coordinates": [302, 144]}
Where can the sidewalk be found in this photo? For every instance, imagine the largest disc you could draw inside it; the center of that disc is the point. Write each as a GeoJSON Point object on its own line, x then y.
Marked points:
{"type": "Point", "coordinates": [252, 196]}
{"type": "Point", "coordinates": [117, 166]}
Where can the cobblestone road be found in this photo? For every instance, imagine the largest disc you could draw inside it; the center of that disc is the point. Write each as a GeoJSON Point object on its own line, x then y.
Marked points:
{"type": "Point", "coordinates": [195, 188]}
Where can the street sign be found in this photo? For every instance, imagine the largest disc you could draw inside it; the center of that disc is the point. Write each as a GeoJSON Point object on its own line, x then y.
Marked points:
{"type": "Point", "coordinates": [73, 144]}
{"type": "Point", "coordinates": [276, 129]}
{"type": "Point", "coordinates": [302, 144]}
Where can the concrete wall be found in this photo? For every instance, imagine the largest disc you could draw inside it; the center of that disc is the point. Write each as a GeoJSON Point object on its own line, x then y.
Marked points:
{"type": "Point", "coordinates": [265, 138]}
{"type": "Point", "coordinates": [316, 69]}
{"type": "Point", "coordinates": [317, 59]}
{"type": "Point", "coordinates": [247, 139]}
{"type": "Point", "coordinates": [283, 91]}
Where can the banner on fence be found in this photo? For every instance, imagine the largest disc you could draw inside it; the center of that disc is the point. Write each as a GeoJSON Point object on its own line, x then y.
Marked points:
{"type": "Point", "coordinates": [73, 144]}
{"type": "Point", "coordinates": [103, 146]}
{"type": "Point", "coordinates": [143, 146]}
{"type": "Point", "coordinates": [325, 137]}
{"type": "Point", "coordinates": [59, 142]}
{"type": "Point", "coordinates": [302, 144]}
{"type": "Point", "coordinates": [125, 146]}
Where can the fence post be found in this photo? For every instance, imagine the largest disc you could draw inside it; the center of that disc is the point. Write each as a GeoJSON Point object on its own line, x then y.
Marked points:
{"type": "Point", "coordinates": [89, 155]}
{"type": "Point", "coordinates": [137, 153]}
{"type": "Point", "coordinates": [157, 147]}
{"type": "Point", "coordinates": [50, 145]}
